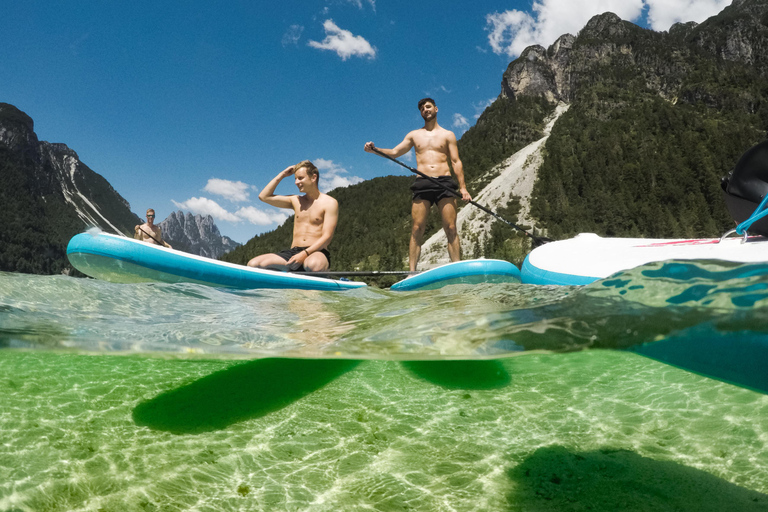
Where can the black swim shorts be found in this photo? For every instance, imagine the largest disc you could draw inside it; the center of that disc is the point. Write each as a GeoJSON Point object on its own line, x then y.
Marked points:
{"type": "Point", "coordinates": [425, 189]}
{"type": "Point", "coordinates": [287, 254]}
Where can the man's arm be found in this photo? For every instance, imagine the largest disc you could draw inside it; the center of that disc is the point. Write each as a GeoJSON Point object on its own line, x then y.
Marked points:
{"type": "Point", "coordinates": [458, 167]}
{"type": "Point", "coordinates": [268, 193]}
{"type": "Point", "coordinates": [137, 233]}
{"type": "Point", "coordinates": [395, 152]}
{"type": "Point", "coordinates": [159, 234]}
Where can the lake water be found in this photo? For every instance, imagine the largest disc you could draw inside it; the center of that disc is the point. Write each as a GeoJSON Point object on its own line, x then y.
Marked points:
{"type": "Point", "coordinates": [645, 391]}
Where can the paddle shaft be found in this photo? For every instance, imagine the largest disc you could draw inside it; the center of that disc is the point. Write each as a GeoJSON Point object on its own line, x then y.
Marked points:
{"type": "Point", "coordinates": [150, 236]}
{"type": "Point", "coordinates": [536, 240]}
{"type": "Point", "coordinates": [370, 273]}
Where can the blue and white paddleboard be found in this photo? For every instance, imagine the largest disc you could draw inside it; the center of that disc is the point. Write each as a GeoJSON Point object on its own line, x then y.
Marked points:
{"type": "Point", "coordinates": [124, 260]}
{"type": "Point", "coordinates": [461, 272]}
{"type": "Point", "coordinates": [588, 257]}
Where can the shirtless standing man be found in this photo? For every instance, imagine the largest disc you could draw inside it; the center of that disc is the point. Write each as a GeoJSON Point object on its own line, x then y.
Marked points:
{"type": "Point", "coordinates": [316, 215]}
{"type": "Point", "coordinates": [434, 147]}
{"type": "Point", "coordinates": [150, 233]}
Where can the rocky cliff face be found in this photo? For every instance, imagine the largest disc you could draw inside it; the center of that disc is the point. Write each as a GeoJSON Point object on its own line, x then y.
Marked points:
{"type": "Point", "coordinates": [196, 234]}
{"type": "Point", "coordinates": [48, 196]}
{"type": "Point", "coordinates": [608, 47]}
{"type": "Point", "coordinates": [654, 118]}
{"type": "Point", "coordinates": [738, 34]}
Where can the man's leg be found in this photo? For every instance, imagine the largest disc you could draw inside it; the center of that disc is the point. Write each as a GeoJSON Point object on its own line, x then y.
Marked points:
{"type": "Point", "coordinates": [419, 213]}
{"type": "Point", "coordinates": [316, 262]}
{"type": "Point", "coordinates": [271, 260]}
{"type": "Point", "coordinates": [447, 207]}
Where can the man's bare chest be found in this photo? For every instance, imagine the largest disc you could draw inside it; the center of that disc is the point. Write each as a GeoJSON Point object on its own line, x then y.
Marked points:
{"type": "Point", "coordinates": [430, 142]}
{"type": "Point", "coordinates": [148, 233]}
{"type": "Point", "coordinates": [310, 214]}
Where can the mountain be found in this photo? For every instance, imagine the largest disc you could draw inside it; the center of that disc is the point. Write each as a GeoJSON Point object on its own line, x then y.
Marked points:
{"type": "Point", "coordinates": [196, 234]}
{"type": "Point", "coordinates": [655, 120]}
{"type": "Point", "coordinates": [616, 130]}
{"type": "Point", "coordinates": [48, 195]}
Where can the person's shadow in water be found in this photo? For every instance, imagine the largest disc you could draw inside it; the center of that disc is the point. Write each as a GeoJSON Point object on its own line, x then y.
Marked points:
{"type": "Point", "coordinates": [257, 388]}
{"type": "Point", "coordinates": [462, 374]}
{"type": "Point", "coordinates": [555, 479]}
{"type": "Point", "coordinates": [246, 391]}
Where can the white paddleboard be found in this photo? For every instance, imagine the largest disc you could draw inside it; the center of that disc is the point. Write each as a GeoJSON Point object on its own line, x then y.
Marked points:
{"type": "Point", "coordinates": [588, 257]}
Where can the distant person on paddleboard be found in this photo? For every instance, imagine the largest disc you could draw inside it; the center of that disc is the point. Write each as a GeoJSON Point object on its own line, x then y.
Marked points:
{"type": "Point", "coordinates": [150, 233]}
{"type": "Point", "coordinates": [435, 146]}
{"type": "Point", "coordinates": [316, 215]}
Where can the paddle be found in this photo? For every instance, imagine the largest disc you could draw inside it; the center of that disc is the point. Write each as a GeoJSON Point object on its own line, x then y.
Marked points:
{"type": "Point", "coordinates": [150, 236]}
{"type": "Point", "coordinates": [370, 273]}
{"type": "Point", "coordinates": [537, 240]}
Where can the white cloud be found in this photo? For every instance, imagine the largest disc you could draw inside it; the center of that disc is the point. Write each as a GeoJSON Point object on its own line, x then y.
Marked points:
{"type": "Point", "coordinates": [205, 206]}
{"type": "Point", "coordinates": [460, 122]}
{"type": "Point", "coordinates": [235, 191]}
{"type": "Point", "coordinates": [510, 32]}
{"type": "Point", "coordinates": [333, 175]}
{"type": "Point", "coordinates": [359, 3]}
{"type": "Point", "coordinates": [662, 14]}
{"type": "Point", "coordinates": [343, 43]}
{"type": "Point", "coordinates": [261, 217]}
{"type": "Point", "coordinates": [292, 35]}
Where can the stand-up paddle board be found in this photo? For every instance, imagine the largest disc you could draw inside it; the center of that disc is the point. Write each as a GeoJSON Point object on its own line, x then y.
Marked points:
{"type": "Point", "coordinates": [588, 257]}
{"type": "Point", "coordinates": [124, 260]}
{"type": "Point", "coordinates": [461, 272]}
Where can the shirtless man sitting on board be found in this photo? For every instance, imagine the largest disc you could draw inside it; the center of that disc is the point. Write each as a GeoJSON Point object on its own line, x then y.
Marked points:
{"type": "Point", "coordinates": [149, 232]}
{"type": "Point", "coordinates": [435, 146]}
{"type": "Point", "coordinates": [316, 215]}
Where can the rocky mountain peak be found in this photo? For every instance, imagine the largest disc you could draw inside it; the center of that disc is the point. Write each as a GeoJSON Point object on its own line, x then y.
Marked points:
{"type": "Point", "coordinates": [606, 26]}
{"type": "Point", "coordinates": [611, 49]}
{"type": "Point", "coordinates": [682, 30]}
{"type": "Point", "coordinates": [17, 129]}
{"type": "Point", "coordinates": [196, 234]}
{"type": "Point", "coordinates": [540, 72]}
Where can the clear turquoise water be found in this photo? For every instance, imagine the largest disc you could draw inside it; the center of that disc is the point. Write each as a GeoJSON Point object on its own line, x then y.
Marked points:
{"type": "Point", "coordinates": [498, 397]}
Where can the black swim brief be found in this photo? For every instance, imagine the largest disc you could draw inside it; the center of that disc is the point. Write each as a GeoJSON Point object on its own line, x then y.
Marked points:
{"type": "Point", "coordinates": [427, 190]}
{"type": "Point", "coordinates": [287, 254]}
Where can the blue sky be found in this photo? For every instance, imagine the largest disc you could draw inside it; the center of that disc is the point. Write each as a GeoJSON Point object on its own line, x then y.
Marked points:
{"type": "Point", "coordinates": [197, 105]}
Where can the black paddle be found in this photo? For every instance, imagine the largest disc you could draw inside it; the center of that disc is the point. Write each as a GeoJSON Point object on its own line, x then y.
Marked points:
{"type": "Point", "coordinates": [369, 273]}
{"type": "Point", "coordinates": [150, 236]}
{"type": "Point", "coordinates": [537, 240]}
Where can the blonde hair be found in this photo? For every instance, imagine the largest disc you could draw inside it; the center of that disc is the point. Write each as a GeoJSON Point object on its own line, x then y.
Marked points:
{"type": "Point", "coordinates": [312, 170]}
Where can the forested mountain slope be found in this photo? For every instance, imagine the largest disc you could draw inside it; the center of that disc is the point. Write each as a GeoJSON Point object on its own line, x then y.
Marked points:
{"type": "Point", "coordinates": [48, 195]}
